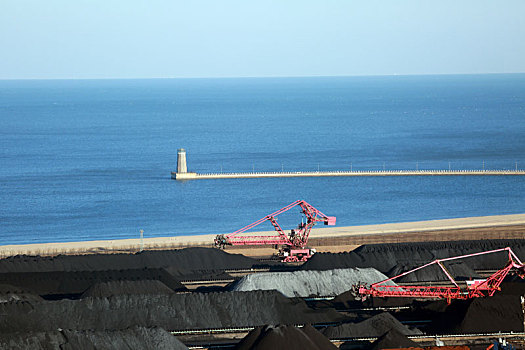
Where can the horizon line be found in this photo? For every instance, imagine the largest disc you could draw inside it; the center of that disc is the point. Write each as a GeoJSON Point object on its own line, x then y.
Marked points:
{"type": "Point", "coordinates": [269, 76]}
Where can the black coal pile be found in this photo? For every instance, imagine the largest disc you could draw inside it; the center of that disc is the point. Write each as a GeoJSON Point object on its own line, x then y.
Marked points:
{"type": "Point", "coordinates": [493, 314]}
{"type": "Point", "coordinates": [308, 283]}
{"type": "Point", "coordinates": [70, 276]}
{"type": "Point", "coordinates": [513, 284]}
{"type": "Point", "coordinates": [479, 315]}
{"type": "Point", "coordinates": [185, 261]}
{"type": "Point", "coordinates": [77, 282]}
{"type": "Point", "coordinates": [284, 337]}
{"type": "Point", "coordinates": [190, 275]}
{"type": "Point", "coordinates": [386, 257]}
{"type": "Point", "coordinates": [171, 312]}
{"type": "Point", "coordinates": [10, 293]}
{"type": "Point", "coordinates": [393, 339]}
{"type": "Point", "coordinates": [375, 326]}
{"type": "Point", "coordinates": [348, 300]}
{"type": "Point", "coordinates": [512, 288]}
{"type": "Point", "coordinates": [128, 339]}
{"type": "Point", "coordinates": [458, 270]}
{"type": "Point", "coordinates": [144, 287]}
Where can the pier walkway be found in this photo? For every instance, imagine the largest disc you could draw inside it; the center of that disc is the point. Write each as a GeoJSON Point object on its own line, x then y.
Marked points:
{"type": "Point", "coordinates": [195, 176]}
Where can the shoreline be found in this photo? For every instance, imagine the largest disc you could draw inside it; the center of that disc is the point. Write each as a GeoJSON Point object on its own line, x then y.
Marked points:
{"type": "Point", "coordinates": [133, 245]}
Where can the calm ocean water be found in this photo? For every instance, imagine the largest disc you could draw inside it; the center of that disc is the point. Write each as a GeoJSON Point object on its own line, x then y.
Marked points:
{"type": "Point", "coordinates": [85, 160]}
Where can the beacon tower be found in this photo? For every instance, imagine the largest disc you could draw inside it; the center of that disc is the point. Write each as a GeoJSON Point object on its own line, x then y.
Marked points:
{"type": "Point", "coordinates": [181, 161]}
{"type": "Point", "coordinates": [182, 167]}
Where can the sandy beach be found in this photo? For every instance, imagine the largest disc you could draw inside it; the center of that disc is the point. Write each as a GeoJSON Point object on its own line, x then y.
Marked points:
{"type": "Point", "coordinates": [183, 241]}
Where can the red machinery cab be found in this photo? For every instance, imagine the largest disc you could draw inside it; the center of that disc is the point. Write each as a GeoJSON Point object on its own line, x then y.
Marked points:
{"type": "Point", "coordinates": [297, 254]}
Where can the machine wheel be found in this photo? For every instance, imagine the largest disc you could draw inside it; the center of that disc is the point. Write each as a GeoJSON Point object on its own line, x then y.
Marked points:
{"type": "Point", "coordinates": [291, 259]}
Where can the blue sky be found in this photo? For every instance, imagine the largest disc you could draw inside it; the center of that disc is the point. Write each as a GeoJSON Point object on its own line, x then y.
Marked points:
{"type": "Point", "coordinates": [164, 39]}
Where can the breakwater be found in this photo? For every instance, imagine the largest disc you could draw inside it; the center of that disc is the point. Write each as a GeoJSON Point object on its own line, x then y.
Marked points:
{"type": "Point", "coordinates": [196, 176]}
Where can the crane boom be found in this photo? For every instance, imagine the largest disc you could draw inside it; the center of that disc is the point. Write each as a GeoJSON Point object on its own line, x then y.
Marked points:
{"type": "Point", "coordinates": [474, 289]}
{"type": "Point", "coordinates": [295, 240]}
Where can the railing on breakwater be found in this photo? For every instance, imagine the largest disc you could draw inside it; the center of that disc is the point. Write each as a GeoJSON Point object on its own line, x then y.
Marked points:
{"type": "Point", "coordinates": [192, 176]}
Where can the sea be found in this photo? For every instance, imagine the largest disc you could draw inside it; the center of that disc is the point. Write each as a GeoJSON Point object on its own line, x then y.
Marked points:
{"type": "Point", "coordinates": [91, 159]}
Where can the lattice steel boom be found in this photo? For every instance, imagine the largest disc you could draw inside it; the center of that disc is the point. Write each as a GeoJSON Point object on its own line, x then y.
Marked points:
{"type": "Point", "coordinates": [472, 289]}
{"type": "Point", "coordinates": [295, 241]}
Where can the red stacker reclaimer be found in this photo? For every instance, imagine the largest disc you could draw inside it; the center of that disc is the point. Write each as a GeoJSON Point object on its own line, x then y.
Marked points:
{"type": "Point", "coordinates": [471, 289]}
{"type": "Point", "coordinates": [292, 245]}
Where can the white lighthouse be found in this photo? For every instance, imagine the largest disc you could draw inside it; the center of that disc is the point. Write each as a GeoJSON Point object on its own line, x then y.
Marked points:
{"type": "Point", "coordinates": [182, 167]}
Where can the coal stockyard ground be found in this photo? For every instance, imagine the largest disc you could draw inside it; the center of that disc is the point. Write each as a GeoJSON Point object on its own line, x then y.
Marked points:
{"type": "Point", "coordinates": [208, 298]}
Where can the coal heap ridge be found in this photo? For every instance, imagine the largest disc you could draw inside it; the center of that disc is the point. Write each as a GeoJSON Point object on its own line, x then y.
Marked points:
{"type": "Point", "coordinates": [497, 313]}
{"type": "Point", "coordinates": [385, 257]}
{"type": "Point", "coordinates": [142, 287]}
{"type": "Point", "coordinates": [70, 276]}
{"type": "Point", "coordinates": [284, 337]}
{"type": "Point", "coordinates": [348, 300]}
{"type": "Point", "coordinates": [459, 269]}
{"type": "Point", "coordinates": [77, 282]}
{"type": "Point", "coordinates": [512, 285]}
{"type": "Point", "coordinates": [393, 339]}
{"type": "Point", "coordinates": [309, 283]}
{"type": "Point", "coordinates": [171, 312]}
{"type": "Point", "coordinates": [373, 327]}
{"type": "Point", "coordinates": [182, 260]}
{"type": "Point", "coordinates": [493, 314]}
{"type": "Point", "coordinates": [131, 339]}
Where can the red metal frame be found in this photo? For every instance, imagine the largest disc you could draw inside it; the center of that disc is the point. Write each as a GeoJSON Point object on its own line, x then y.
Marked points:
{"type": "Point", "coordinates": [297, 238]}
{"type": "Point", "coordinates": [474, 289]}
